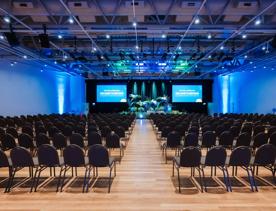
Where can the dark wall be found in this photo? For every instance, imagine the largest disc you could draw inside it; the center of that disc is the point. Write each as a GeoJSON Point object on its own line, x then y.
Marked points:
{"type": "Point", "coordinates": [144, 88]}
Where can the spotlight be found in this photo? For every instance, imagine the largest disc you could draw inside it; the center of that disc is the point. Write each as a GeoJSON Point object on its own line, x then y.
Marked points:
{"type": "Point", "coordinates": [60, 36]}
{"type": "Point", "coordinates": [134, 24]}
{"type": "Point", "coordinates": [71, 20]}
{"type": "Point", "coordinates": [164, 36]}
{"type": "Point", "coordinates": [197, 21]}
{"type": "Point", "coordinates": [7, 19]}
{"type": "Point", "coordinates": [102, 57]}
{"type": "Point", "coordinates": [2, 37]}
{"type": "Point", "coordinates": [65, 57]}
{"type": "Point", "coordinates": [250, 62]}
{"type": "Point", "coordinates": [179, 47]}
{"type": "Point", "coordinates": [221, 47]}
{"type": "Point", "coordinates": [209, 56]}
{"type": "Point", "coordinates": [107, 36]}
{"type": "Point", "coordinates": [244, 36]}
{"type": "Point", "coordinates": [94, 50]}
{"type": "Point", "coordinates": [257, 22]}
{"type": "Point", "coordinates": [209, 36]}
{"type": "Point", "coordinates": [55, 62]}
{"type": "Point", "coordinates": [41, 70]}
{"type": "Point", "coordinates": [263, 48]}
{"type": "Point", "coordinates": [254, 67]}
{"type": "Point", "coordinates": [137, 47]}
{"type": "Point", "coordinates": [264, 67]}
{"type": "Point", "coordinates": [12, 64]}
{"type": "Point", "coordinates": [245, 56]}
{"type": "Point", "coordinates": [25, 57]}
{"type": "Point", "coordinates": [45, 65]}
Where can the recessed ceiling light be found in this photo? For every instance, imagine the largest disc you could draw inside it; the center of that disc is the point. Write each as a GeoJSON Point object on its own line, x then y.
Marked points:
{"type": "Point", "coordinates": [71, 20]}
{"type": "Point", "coordinates": [12, 64]}
{"type": "Point", "coordinates": [251, 62]}
{"type": "Point", "coordinates": [197, 21]}
{"type": "Point", "coordinates": [257, 22]}
{"type": "Point", "coordinates": [164, 36]}
{"type": "Point", "coordinates": [7, 19]}
{"type": "Point", "coordinates": [264, 67]}
{"type": "Point", "coordinates": [2, 37]}
{"type": "Point", "coordinates": [107, 36]}
{"type": "Point", "coordinates": [244, 36]}
{"type": "Point", "coordinates": [134, 24]}
{"type": "Point", "coordinates": [263, 48]}
{"type": "Point", "coordinates": [221, 47]}
{"type": "Point", "coordinates": [55, 62]}
{"type": "Point", "coordinates": [60, 36]}
{"type": "Point", "coordinates": [45, 65]}
{"type": "Point", "coordinates": [209, 36]}
{"type": "Point", "coordinates": [102, 57]}
{"type": "Point", "coordinates": [136, 46]}
{"type": "Point", "coordinates": [254, 67]}
{"type": "Point", "coordinates": [41, 70]}
{"type": "Point", "coordinates": [179, 47]}
{"type": "Point", "coordinates": [65, 57]}
{"type": "Point", "coordinates": [245, 56]}
{"type": "Point", "coordinates": [209, 56]}
{"type": "Point", "coordinates": [25, 57]}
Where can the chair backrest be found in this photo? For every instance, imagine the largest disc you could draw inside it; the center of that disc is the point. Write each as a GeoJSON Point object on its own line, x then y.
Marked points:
{"type": "Point", "coordinates": [2, 134]}
{"type": "Point", "coordinates": [106, 130]}
{"type": "Point", "coordinates": [53, 130]}
{"type": "Point", "coordinates": [120, 131]}
{"type": "Point", "coordinates": [42, 138]}
{"type": "Point", "coordinates": [8, 142]}
{"type": "Point", "coordinates": [28, 130]}
{"type": "Point", "coordinates": [113, 141]}
{"type": "Point", "coordinates": [47, 155]}
{"type": "Point", "coordinates": [98, 156]}
{"type": "Point", "coordinates": [208, 139]}
{"type": "Point", "coordinates": [240, 156]}
{"type": "Point", "coordinates": [77, 139]}
{"type": "Point", "coordinates": [243, 139]}
{"type": "Point", "coordinates": [59, 141]}
{"type": "Point", "coordinates": [173, 139]}
{"type": "Point", "coordinates": [21, 157]}
{"type": "Point", "coordinates": [235, 130]}
{"type": "Point", "coordinates": [94, 138]}
{"type": "Point", "coordinates": [260, 139]}
{"type": "Point", "coordinates": [271, 130]}
{"type": "Point", "coordinates": [25, 140]}
{"type": "Point", "coordinates": [165, 131]}
{"type": "Point", "coordinates": [272, 139]}
{"type": "Point", "coordinates": [67, 130]}
{"type": "Point", "coordinates": [12, 131]}
{"type": "Point", "coordinates": [190, 157]}
{"type": "Point", "coordinates": [265, 155]}
{"type": "Point", "coordinates": [258, 129]}
{"type": "Point", "coordinates": [73, 156]}
{"type": "Point", "coordinates": [226, 139]}
{"type": "Point", "coordinates": [4, 162]}
{"type": "Point", "coordinates": [191, 140]}
{"type": "Point", "coordinates": [216, 156]}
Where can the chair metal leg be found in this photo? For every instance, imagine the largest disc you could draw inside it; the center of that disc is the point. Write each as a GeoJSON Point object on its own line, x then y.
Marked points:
{"type": "Point", "coordinates": [253, 179]}
{"type": "Point", "coordinates": [178, 176]}
{"type": "Point", "coordinates": [10, 182]}
{"type": "Point", "coordinates": [63, 179]}
{"type": "Point", "coordinates": [76, 171]}
{"type": "Point", "coordinates": [84, 180]}
{"type": "Point", "coordinates": [34, 179]}
{"type": "Point", "coordinates": [88, 178]}
{"type": "Point", "coordinates": [173, 169]}
{"type": "Point", "coordinates": [250, 179]}
{"type": "Point", "coordinates": [59, 178]}
{"type": "Point", "coordinates": [110, 172]}
{"type": "Point", "coordinates": [203, 177]}
{"type": "Point", "coordinates": [228, 179]}
{"type": "Point", "coordinates": [166, 154]}
{"type": "Point", "coordinates": [224, 179]}
{"type": "Point", "coordinates": [114, 169]}
{"type": "Point", "coordinates": [200, 179]}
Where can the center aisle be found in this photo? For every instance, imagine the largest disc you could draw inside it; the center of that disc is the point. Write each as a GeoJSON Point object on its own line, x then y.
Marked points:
{"type": "Point", "coordinates": [143, 167]}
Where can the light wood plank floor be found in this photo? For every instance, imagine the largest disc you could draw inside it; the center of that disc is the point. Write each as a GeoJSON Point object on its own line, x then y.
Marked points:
{"type": "Point", "coordinates": [143, 182]}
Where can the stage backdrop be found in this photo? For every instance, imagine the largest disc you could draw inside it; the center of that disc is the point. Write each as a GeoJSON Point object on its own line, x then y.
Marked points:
{"type": "Point", "coordinates": [148, 89]}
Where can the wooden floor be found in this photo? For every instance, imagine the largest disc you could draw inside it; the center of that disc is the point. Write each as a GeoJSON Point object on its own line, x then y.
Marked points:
{"type": "Point", "coordinates": [143, 182]}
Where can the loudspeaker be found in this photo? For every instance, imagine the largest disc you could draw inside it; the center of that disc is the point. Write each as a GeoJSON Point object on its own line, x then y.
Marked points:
{"type": "Point", "coordinates": [12, 39]}
{"type": "Point", "coordinates": [105, 73]}
{"type": "Point", "coordinates": [44, 40]}
{"type": "Point", "coordinates": [273, 42]}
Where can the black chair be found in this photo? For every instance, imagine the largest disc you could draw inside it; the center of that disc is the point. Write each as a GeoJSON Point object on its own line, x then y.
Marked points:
{"type": "Point", "coordinates": [106, 130]}
{"type": "Point", "coordinates": [41, 139]}
{"type": "Point", "coordinates": [94, 138]}
{"type": "Point", "coordinates": [4, 162]}
{"type": "Point", "coordinates": [48, 158]}
{"type": "Point", "coordinates": [52, 131]}
{"type": "Point", "coordinates": [28, 130]}
{"type": "Point", "coordinates": [25, 140]}
{"type": "Point", "coordinates": [272, 139]}
{"type": "Point", "coordinates": [208, 139]}
{"type": "Point", "coordinates": [73, 158]}
{"type": "Point", "coordinates": [243, 139]}
{"type": "Point", "coordinates": [235, 130]}
{"type": "Point", "coordinates": [240, 157]}
{"type": "Point", "coordinates": [260, 139]}
{"type": "Point", "coordinates": [216, 157]}
{"type": "Point", "coordinates": [173, 142]}
{"type": "Point", "coordinates": [12, 131]}
{"type": "Point", "coordinates": [190, 157]}
{"type": "Point", "coordinates": [67, 131]}
{"type": "Point", "coordinates": [191, 139]}
{"type": "Point", "coordinates": [98, 157]}
{"type": "Point", "coordinates": [258, 129]}
{"type": "Point", "coordinates": [113, 142]}
{"type": "Point", "coordinates": [80, 129]}
{"type": "Point", "coordinates": [265, 157]}
{"type": "Point", "coordinates": [8, 142]}
{"type": "Point", "coordinates": [271, 130]}
{"type": "Point", "coordinates": [59, 141]}
{"type": "Point", "coordinates": [226, 139]}
{"type": "Point", "coordinates": [2, 134]}
{"type": "Point", "coordinates": [21, 158]}
{"type": "Point", "coordinates": [77, 139]}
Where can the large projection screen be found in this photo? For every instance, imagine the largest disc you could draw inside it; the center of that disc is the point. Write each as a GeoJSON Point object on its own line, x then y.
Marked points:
{"type": "Point", "coordinates": [111, 93]}
{"type": "Point", "coordinates": [186, 93]}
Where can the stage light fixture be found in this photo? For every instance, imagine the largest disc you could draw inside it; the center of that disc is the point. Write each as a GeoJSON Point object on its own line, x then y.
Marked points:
{"type": "Point", "coordinates": [134, 24]}
{"type": "Point", "coordinates": [70, 20]}
{"type": "Point", "coordinates": [2, 37]}
{"type": "Point", "coordinates": [179, 47]}
{"type": "Point", "coordinates": [55, 62]}
{"type": "Point", "coordinates": [164, 36]}
{"type": "Point", "coordinates": [209, 36]}
{"type": "Point", "coordinates": [25, 57]}
{"type": "Point", "coordinates": [244, 36]}
{"type": "Point", "coordinates": [221, 47]}
{"type": "Point", "coordinates": [197, 20]}
{"type": "Point", "coordinates": [136, 47]}
{"type": "Point", "coordinates": [12, 64]}
{"type": "Point", "coordinates": [209, 56]}
{"type": "Point", "coordinates": [250, 62]}
{"type": "Point", "coordinates": [60, 36]}
{"type": "Point", "coordinates": [107, 36]}
{"type": "Point", "coordinates": [264, 67]}
{"type": "Point", "coordinates": [263, 48]}
{"type": "Point", "coordinates": [245, 56]}
{"type": "Point", "coordinates": [7, 19]}
{"type": "Point", "coordinates": [254, 67]}
{"type": "Point", "coordinates": [257, 21]}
